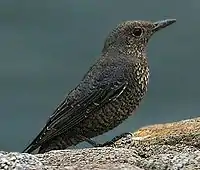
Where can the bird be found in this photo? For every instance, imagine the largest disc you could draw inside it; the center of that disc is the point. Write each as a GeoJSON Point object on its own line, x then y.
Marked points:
{"type": "Point", "coordinates": [108, 93]}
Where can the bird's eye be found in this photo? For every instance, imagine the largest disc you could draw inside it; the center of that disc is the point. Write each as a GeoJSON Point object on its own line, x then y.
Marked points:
{"type": "Point", "coordinates": [137, 32]}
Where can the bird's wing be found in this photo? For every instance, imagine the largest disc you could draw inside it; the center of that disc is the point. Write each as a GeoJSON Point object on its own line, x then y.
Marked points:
{"type": "Point", "coordinates": [69, 114]}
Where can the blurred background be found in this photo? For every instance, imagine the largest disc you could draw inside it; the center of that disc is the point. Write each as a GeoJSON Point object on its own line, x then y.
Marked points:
{"type": "Point", "coordinates": [47, 46]}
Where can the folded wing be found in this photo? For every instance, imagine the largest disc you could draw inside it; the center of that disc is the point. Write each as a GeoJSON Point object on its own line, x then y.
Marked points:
{"type": "Point", "coordinates": [71, 112]}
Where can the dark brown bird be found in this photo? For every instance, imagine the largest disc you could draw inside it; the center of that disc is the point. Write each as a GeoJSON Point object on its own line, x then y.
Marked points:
{"type": "Point", "coordinates": [109, 92]}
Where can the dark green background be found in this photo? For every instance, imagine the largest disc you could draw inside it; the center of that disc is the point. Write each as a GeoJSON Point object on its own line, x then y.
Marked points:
{"type": "Point", "coordinates": [46, 46]}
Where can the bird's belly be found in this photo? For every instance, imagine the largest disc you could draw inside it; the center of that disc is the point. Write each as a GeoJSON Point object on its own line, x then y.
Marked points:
{"type": "Point", "coordinates": [109, 116]}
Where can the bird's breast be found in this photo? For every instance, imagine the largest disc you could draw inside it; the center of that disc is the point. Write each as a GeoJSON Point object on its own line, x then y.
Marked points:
{"type": "Point", "coordinates": [140, 78]}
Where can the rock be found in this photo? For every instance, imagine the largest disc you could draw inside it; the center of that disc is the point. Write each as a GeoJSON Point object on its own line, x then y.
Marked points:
{"type": "Point", "coordinates": [19, 161]}
{"type": "Point", "coordinates": [91, 158]}
{"type": "Point", "coordinates": [165, 146]}
{"type": "Point", "coordinates": [171, 146]}
{"type": "Point", "coordinates": [185, 132]}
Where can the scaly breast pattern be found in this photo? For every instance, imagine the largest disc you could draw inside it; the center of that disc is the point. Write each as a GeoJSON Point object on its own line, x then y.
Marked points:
{"type": "Point", "coordinates": [113, 113]}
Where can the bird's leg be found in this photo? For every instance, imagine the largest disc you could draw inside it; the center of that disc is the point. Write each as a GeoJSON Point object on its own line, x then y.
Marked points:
{"type": "Point", "coordinates": [90, 141]}
{"type": "Point", "coordinates": [95, 144]}
{"type": "Point", "coordinates": [121, 136]}
{"type": "Point", "coordinates": [112, 142]}
{"type": "Point", "coordinates": [108, 143]}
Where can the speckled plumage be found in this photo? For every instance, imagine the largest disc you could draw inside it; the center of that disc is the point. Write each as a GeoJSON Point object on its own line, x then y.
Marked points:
{"type": "Point", "coordinates": [108, 94]}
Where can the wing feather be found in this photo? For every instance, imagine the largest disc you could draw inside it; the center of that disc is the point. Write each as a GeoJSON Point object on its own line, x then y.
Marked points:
{"type": "Point", "coordinates": [69, 114]}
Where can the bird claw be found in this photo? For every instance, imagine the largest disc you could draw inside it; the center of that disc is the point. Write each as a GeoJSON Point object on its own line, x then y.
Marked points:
{"type": "Point", "coordinates": [95, 144]}
{"type": "Point", "coordinates": [108, 143]}
{"type": "Point", "coordinates": [123, 135]}
{"type": "Point", "coordinates": [119, 137]}
{"type": "Point", "coordinates": [112, 142]}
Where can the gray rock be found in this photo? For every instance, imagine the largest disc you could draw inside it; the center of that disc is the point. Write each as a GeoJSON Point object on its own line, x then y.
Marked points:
{"type": "Point", "coordinates": [171, 146]}
{"type": "Point", "coordinates": [19, 161]}
{"type": "Point", "coordinates": [91, 158]}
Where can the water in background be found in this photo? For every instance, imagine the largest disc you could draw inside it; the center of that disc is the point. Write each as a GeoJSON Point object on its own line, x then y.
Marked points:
{"type": "Point", "coordinates": [46, 46]}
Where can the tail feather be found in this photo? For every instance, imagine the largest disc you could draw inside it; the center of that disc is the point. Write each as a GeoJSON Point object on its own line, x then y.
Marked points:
{"type": "Point", "coordinates": [34, 144]}
{"type": "Point", "coordinates": [30, 148]}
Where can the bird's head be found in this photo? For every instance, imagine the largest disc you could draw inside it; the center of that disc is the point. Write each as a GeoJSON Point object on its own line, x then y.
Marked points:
{"type": "Point", "coordinates": [132, 36]}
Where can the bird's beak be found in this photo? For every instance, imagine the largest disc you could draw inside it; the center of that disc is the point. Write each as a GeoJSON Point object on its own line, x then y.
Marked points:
{"type": "Point", "coordinates": [162, 24]}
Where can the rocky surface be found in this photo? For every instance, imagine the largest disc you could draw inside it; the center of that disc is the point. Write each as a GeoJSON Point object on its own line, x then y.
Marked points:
{"type": "Point", "coordinates": [19, 161]}
{"type": "Point", "coordinates": [171, 146]}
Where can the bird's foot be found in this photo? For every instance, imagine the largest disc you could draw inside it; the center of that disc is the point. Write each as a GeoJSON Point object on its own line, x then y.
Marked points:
{"type": "Point", "coordinates": [122, 136]}
{"type": "Point", "coordinates": [95, 144]}
{"type": "Point", "coordinates": [112, 142]}
{"type": "Point", "coordinates": [108, 143]}
{"type": "Point", "coordinates": [90, 141]}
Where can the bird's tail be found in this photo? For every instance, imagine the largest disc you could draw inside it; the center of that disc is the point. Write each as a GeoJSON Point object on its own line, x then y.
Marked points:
{"type": "Point", "coordinates": [34, 144]}
{"type": "Point", "coordinates": [29, 149]}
